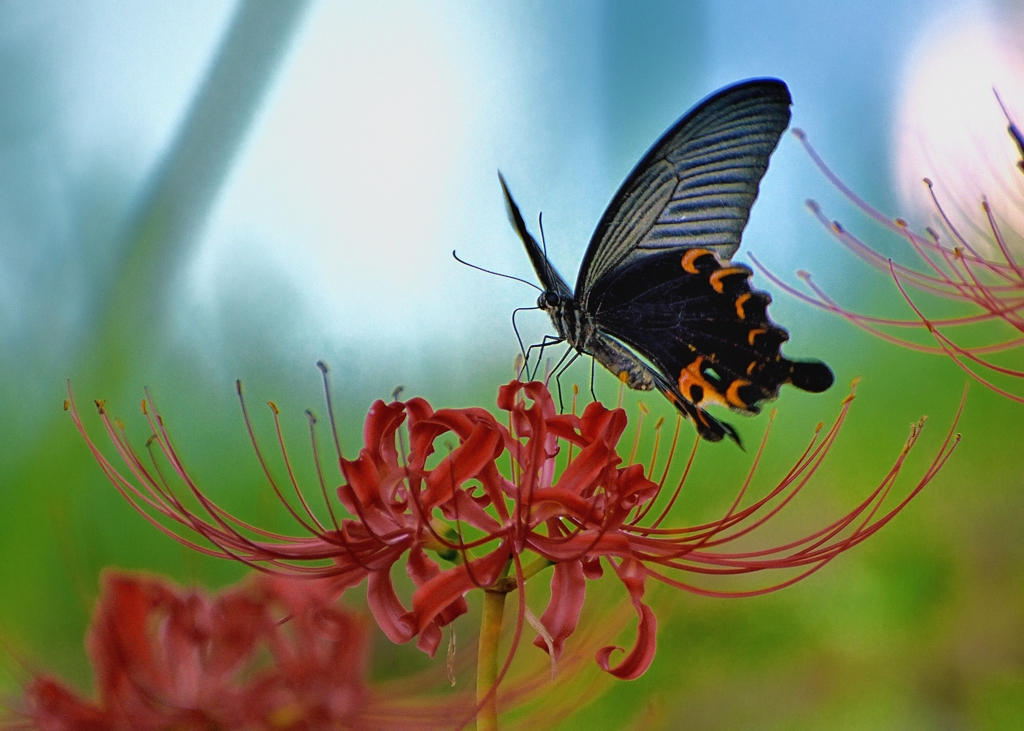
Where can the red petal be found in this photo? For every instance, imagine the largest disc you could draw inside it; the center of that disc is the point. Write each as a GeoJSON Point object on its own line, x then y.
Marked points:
{"type": "Point", "coordinates": [382, 421]}
{"type": "Point", "coordinates": [582, 476]}
{"type": "Point", "coordinates": [52, 707]}
{"type": "Point", "coordinates": [632, 573]}
{"type": "Point", "coordinates": [568, 590]}
{"type": "Point", "coordinates": [386, 608]}
{"type": "Point", "coordinates": [598, 422]}
{"type": "Point", "coordinates": [448, 587]}
{"type": "Point", "coordinates": [461, 465]}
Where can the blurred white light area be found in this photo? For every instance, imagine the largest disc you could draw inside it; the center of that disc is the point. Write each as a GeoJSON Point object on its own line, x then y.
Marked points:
{"type": "Point", "coordinates": [949, 124]}
{"type": "Point", "coordinates": [127, 72]}
{"type": "Point", "coordinates": [369, 163]}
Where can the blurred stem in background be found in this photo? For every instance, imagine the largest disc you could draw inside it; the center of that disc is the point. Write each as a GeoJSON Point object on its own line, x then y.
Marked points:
{"type": "Point", "coordinates": [181, 192]}
{"type": "Point", "coordinates": [156, 243]}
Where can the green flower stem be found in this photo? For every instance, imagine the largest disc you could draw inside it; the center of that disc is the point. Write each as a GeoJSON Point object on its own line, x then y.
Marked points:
{"type": "Point", "coordinates": [487, 660]}
{"type": "Point", "coordinates": [535, 567]}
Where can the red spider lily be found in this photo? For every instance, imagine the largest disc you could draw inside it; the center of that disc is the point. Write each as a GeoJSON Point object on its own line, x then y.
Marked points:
{"type": "Point", "coordinates": [952, 267]}
{"type": "Point", "coordinates": [567, 500]}
{"type": "Point", "coordinates": [273, 653]}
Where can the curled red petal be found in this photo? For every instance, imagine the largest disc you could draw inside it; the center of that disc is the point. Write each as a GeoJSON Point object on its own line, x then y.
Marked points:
{"type": "Point", "coordinates": [598, 422]}
{"type": "Point", "coordinates": [541, 396]}
{"type": "Point", "coordinates": [587, 544]}
{"type": "Point", "coordinates": [466, 509]}
{"type": "Point", "coordinates": [463, 464]}
{"type": "Point", "coordinates": [635, 664]}
{"type": "Point", "coordinates": [386, 607]}
{"type": "Point", "coordinates": [568, 590]}
{"type": "Point", "coordinates": [422, 569]}
{"type": "Point", "coordinates": [584, 473]}
{"type": "Point", "coordinates": [362, 482]}
{"type": "Point", "coordinates": [50, 705]}
{"type": "Point", "coordinates": [507, 395]}
{"type": "Point", "coordinates": [382, 421]}
{"type": "Point", "coordinates": [448, 587]}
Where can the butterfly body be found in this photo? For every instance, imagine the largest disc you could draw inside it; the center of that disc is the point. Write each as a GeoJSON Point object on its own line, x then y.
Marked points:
{"type": "Point", "coordinates": [658, 301]}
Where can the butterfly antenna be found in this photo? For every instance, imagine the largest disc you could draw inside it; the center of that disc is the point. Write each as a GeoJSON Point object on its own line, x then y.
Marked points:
{"type": "Point", "coordinates": [497, 274]}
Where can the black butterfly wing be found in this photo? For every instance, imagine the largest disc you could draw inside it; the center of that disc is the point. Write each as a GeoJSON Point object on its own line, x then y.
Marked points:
{"type": "Point", "coordinates": [695, 186]}
{"type": "Point", "coordinates": [549, 277]}
{"type": "Point", "coordinates": [706, 330]}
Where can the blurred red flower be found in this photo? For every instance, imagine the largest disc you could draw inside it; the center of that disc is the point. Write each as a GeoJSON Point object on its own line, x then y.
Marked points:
{"type": "Point", "coordinates": [271, 653]}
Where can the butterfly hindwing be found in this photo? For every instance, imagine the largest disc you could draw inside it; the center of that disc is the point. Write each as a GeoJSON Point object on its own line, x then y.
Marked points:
{"type": "Point", "coordinates": [698, 321]}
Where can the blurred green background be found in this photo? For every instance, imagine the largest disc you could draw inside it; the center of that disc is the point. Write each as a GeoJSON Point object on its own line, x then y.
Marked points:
{"type": "Point", "coordinates": [196, 192]}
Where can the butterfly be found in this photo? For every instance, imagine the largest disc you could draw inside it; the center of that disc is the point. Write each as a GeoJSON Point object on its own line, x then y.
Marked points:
{"type": "Point", "coordinates": [658, 301]}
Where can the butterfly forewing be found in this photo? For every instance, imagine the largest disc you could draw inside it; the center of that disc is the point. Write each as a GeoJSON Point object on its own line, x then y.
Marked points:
{"type": "Point", "coordinates": [695, 187]}
{"type": "Point", "coordinates": [546, 272]}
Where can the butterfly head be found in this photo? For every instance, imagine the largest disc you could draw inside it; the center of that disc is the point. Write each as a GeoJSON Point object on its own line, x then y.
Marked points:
{"type": "Point", "coordinates": [549, 301]}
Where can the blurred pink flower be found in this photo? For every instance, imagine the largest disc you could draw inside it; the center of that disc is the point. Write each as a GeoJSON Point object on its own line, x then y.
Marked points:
{"type": "Point", "coordinates": [970, 266]}
{"type": "Point", "coordinates": [566, 500]}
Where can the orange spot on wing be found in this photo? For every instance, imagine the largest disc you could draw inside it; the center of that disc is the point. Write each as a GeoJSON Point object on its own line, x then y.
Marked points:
{"type": "Point", "coordinates": [740, 301]}
{"type": "Point", "coordinates": [732, 394]}
{"type": "Point", "coordinates": [720, 274]}
{"type": "Point", "coordinates": [754, 333]}
{"type": "Point", "coordinates": [690, 257]}
{"type": "Point", "coordinates": [691, 376]}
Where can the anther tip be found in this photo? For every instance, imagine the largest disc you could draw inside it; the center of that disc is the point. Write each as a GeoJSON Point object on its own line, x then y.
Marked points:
{"type": "Point", "coordinates": [799, 133]}
{"type": "Point", "coordinates": [322, 366]}
{"type": "Point", "coordinates": [273, 407]}
{"type": "Point", "coordinates": [67, 404]}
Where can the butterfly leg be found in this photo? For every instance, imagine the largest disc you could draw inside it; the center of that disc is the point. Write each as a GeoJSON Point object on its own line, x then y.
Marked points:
{"type": "Point", "coordinates": [593, 365]}
{"type": "Point", "coordinates": [515, 329]}
{"type": "Point", "coordinates": [559, 370]}
{"type": "Point", "coordinates": [545, 341]}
